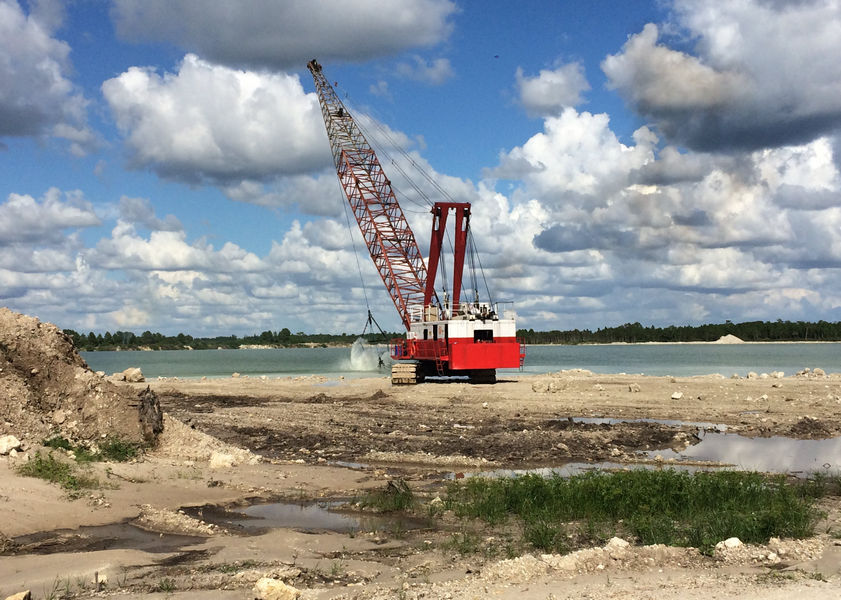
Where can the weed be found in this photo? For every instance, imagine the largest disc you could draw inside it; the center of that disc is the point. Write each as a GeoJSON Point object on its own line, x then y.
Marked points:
{"type": "Point", "coordinates": [167, 584]}
{"type": "Point", "coordinates": [56, 471]}
{"type": "Point", "coordinates": [113, 449]}
{"type": "Point", "coordinates": [337, 569]}
{"type": "Point", "coordinates": [463, 542]}
{"type": "Point", "coordinates": [657, 507]}
{"type": "Point", "coordinates": [395, 497]}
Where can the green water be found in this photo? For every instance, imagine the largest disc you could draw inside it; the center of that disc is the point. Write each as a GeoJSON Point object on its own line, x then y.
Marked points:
{"type": "Point", "coordinates": [665, 359]}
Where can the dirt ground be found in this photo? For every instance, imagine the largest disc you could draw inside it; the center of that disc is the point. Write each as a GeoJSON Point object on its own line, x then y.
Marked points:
{"type": "Point", "coordinates": [232, 442]}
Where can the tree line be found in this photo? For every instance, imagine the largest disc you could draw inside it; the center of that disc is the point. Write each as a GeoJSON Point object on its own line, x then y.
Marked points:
{"type": "Point", "coordinates": [127, 340]}
{"type": "Point", "coordinates": [631, 333]}
{"type": "Point", "coordinates": [750, 331]}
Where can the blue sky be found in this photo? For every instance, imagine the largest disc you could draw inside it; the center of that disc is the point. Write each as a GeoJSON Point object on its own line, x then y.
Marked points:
{"type": "Point", "coordinates": [163, 164]}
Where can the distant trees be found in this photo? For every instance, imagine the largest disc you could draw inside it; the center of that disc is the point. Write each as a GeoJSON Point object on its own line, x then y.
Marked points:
{"type": "Point", "coordinates": [750, 331]}
{"type": "Point", "coordinates": [126, 340]}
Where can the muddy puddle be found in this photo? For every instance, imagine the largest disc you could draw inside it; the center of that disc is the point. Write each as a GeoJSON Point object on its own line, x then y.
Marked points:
{"type": "Point", "coordinates": [666, 422]}
{"type": "Point", "coordinates": [772, 454]}
{"type": "Point", "coordinates": [117, 536]}
{"type": "Point", "coordinates": [307, 517]}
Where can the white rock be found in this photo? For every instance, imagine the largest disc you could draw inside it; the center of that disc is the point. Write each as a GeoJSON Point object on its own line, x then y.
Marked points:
{"type": "Point", "coordinates": [133, 375]}
{"type": "Point", "coordinates": [221, 460]}
{"type": "Point", "coordinates": [27, 595]}
{"type": "Point", "coordinates": [677, 395]}
{"type": "Point", "coordinates": [729, 543]}
{"type": "Point", "coordinates": [8, 443]}
{"type": "Point", "coordinates": [617, 542]}
{"type": "Point", "coordinates": [274, 589]}
{"type": "Point", "coordinates": [778, 374]}
{"type": "Point", "coordinates": [634, 387]}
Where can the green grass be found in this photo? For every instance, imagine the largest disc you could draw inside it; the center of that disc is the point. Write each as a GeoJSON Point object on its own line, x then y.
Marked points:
{"type": "Point", "coordinates": [58, 472]}
{"type": "Point", "coordinates": [654, 507]}
{"type": "Point", "coordinates": [113, 449]}
{"type": "Point", "coordinates": [396, 496]}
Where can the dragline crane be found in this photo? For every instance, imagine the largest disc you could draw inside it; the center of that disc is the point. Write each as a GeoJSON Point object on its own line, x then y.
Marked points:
{"type": "Point", "coordinates": [453, 338]}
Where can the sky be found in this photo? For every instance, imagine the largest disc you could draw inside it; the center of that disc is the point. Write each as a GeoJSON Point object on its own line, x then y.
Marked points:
{"type": "Point", "coordinates": [164, 165]}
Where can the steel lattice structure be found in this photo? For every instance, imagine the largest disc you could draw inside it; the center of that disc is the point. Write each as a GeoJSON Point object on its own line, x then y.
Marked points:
{"type": "Point", "coordinates": [387, 235]}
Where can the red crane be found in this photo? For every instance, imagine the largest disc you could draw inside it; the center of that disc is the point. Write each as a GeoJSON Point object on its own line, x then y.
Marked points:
{"type": "Point", "coordinates": [451, 339]}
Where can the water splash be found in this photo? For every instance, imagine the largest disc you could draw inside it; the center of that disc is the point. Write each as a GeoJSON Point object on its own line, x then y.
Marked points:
{"type": "Point", "coordinates": [367, 358]}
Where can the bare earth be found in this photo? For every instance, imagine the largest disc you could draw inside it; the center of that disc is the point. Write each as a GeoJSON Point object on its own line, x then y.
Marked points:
{"type": "Point", "coordinates": [234, 441]}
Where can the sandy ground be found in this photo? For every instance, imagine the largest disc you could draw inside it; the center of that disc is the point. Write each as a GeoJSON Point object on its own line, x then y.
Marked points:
{"type": "Point", "coordinates": [236, 441]}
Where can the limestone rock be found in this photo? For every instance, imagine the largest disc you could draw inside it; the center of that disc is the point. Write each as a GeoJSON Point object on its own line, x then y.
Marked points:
{"type": "Point", "coordinates": [27, 595]}
{"type": "Point", "coordinates": [133, 375]}
{"type": "Point", "coordinates": [274, 589]}
{"type": "Point", "coordinates": [677, 395]}
{"type": "Point", "coordinates": [8, 443]}
{"type": "Point", "coordinates": [634, 387]}
{"type": "Point", "coordinates": [221, 460]}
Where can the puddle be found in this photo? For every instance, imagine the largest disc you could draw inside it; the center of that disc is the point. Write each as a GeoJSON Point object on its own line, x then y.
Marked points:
{"type": "Point", "coordinates": [309, 517]}
{"type": "Point", "coordinates": [666, 422]}
{"type": "Point", "coordinates": [117, 536]}
{"type": "Point", "coordinates": [772, 455]}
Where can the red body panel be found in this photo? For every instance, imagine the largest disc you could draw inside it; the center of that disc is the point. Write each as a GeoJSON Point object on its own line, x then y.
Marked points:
{"type": "Point", "coordinates": [462, 354]}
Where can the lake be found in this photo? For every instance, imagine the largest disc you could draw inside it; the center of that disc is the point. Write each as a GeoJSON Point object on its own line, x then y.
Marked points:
{"type": "Point", "coordinates": [361, 361]}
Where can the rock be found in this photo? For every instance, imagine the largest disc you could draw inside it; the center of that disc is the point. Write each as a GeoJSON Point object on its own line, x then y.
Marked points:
{"type": "Point", "coordinates": [133, 375]}
{"type": "Point", "coordinates": [777, 374]}
{"type": "Point", "coordinates": [27, 595]}
{"type": "Point", "coordinates": [8, 443]}
{"type": "Point", "coordinates": [540, 387]}
{"type": "Point", "coordinates": [729, 544]}
{"type": "Point", "coordinates": [59, 417]}
{"type": "Point", "coordinates": [221, 460]}
{"type": "Point", "coordinates": [753, 375]}
{"type": "Point", "coordinates": [634, 387]}
{"type": "Point", "coordinates": [818, 373]}
{"type": "Point", "coordinates": [274, 589]}
{"type": "Point", "coordinates": [677, 395]}
{"type": "Point", "coordinates": [235, 375]}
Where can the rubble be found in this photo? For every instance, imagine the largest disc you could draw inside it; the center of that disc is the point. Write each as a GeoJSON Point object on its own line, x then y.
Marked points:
{"type": "Point", "coordinates": [47, 389]}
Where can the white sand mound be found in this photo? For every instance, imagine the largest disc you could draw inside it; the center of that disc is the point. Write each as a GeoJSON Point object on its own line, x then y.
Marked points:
{"type": "Point", "coordinates": [729, 339]}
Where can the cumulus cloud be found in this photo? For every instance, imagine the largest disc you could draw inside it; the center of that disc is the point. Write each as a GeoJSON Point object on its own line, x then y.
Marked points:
{"type": "Point", "coordinates": [434, 72]}
{"type": "Point", "coordinates": [212, 124]}
{"type": "Point", "coordinates": [552, 90]}
{"type": "Point", "coordinates": [141, 212]}
{"type": "Point", "coordinates": [737, 91]}
{"type": "Point", "coordinates": [284, 35]}
{"type": "Point", "coordinates": [37, 98]}
{"type": "Point", "coordinates": [26, 219]}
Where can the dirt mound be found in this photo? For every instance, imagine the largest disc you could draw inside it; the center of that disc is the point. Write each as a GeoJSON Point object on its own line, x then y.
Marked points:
{"type": "Point", "coordinates": [47, 389]}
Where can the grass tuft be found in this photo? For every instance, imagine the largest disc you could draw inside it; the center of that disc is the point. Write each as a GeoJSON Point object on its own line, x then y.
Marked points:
{"type": "Point", "coordinates": [58, 472]}
{"type": "Point", "coordinates": [655, 507]}
{"type": "Point", "coordinates": [396, 496]}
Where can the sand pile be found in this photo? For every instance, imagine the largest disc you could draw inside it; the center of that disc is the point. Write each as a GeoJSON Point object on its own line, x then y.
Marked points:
{"type": "Point", "coordinates": [47, 389]}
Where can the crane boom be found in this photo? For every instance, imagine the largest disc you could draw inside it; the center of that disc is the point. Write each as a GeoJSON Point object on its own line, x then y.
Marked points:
{"type": "Point", "coordinates": [384, 227]}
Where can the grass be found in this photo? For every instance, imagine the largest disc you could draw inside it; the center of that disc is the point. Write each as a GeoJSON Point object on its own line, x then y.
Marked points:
{"type": "Point", "coordinates": [396, 496]}
{"type": "Point", "coordinates": [112, 449]}
{"type": "Point", "coordinates": [655, 507]}
{"type": "Point", "coordinates": [58, 472]}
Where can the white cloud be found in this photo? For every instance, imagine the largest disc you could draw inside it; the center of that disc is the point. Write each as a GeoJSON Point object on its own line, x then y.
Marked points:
{"type": "Point", "coordinates": [25, 219]}
{"type": "Point", "coordinates": [212, 124]}
{"type": "Point", "coordinates": [764, 74]}
{"type": "Point", "coordinates": [552, 90]}
{"type": "Point", "coordinates": [435, 72]}
{"type": "Point", "coordinates": [284, 35]}
{"type": "Point", "coordinates": [37, 98]}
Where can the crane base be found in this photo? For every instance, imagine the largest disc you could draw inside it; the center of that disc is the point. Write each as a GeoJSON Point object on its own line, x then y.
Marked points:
{"type": "Point", "coordinates": [406, 373]}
